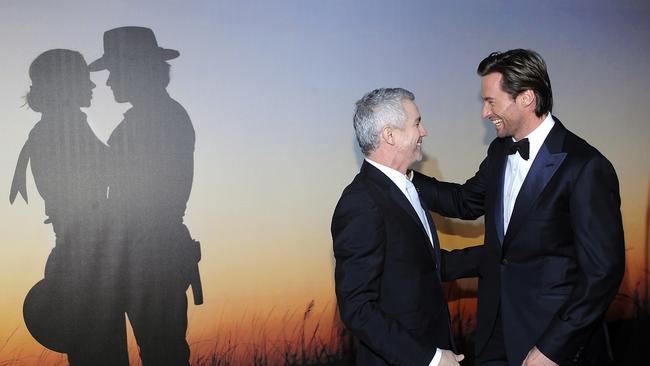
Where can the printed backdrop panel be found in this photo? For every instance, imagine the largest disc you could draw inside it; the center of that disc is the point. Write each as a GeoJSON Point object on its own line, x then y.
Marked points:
{"type": "Point", "coordinates": [248, 147]}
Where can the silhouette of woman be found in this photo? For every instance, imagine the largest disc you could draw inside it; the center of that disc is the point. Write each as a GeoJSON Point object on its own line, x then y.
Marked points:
{"type": "Point", "coordinates": [69, 311]}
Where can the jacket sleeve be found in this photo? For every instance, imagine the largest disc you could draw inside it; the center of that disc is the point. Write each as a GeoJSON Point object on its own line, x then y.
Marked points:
{"type": "Point", "coordinates": [359, 238]}
{"type": "Point", "coordinates": [600, 251]}
{"type": "Point", "coordinates": [460, 263]}
{"type": "Point", "coordinates": [465, 201]}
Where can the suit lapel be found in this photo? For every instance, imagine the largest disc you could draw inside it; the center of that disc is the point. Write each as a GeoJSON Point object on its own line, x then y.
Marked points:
{"type": "Point", "coordinates": [548, 160]}
{"type": "Point", "coordinates": [498, 204]}
{"type": "Point", "coordinates": [434, 234]}
{"type": "Point", "coordinates": [398, 197]}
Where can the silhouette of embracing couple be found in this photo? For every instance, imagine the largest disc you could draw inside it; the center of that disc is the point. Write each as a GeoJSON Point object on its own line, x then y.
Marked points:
{"type": "Point", "coordinates": [116, 209]}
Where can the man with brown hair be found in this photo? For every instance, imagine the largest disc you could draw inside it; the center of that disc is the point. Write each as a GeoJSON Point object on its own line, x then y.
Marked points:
{"type": "Point", "coordinates": [553, 256]}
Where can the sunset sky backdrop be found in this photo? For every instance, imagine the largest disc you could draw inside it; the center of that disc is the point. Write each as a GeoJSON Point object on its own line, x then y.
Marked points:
{"type": "Point", "coordinates": [270, 87]}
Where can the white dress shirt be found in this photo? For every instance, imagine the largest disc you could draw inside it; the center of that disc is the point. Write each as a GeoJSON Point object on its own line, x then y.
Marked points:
{"type": "Point", "coordinates": [517, 168]}
{"type": "Point", "coordinates": [402, 182]}
{"type": "Point", "coordinates": [406, 186]}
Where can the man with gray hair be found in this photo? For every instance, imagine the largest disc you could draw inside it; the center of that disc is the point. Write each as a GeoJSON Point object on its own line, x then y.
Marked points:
{"type": "Point", "coordinates": [388, 282]}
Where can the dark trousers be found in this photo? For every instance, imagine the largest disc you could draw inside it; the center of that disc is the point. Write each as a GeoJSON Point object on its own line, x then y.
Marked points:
{"type": "Point", "coordinates": [156, 303]}
{"type": "Point", "coordinates": [158, 316]}
{"type": "Point", "coordinates": [102, 346]}
{"type": "Point", "coordinates": [494, 352]}
{"type": "Point", "coordinates": [94, 314]}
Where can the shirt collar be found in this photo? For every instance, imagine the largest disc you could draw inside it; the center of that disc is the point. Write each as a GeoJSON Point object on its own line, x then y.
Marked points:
{"type": "Point", "coordinates": [398, 178]}
{"type": "Point", "coordinates": [538, 135]}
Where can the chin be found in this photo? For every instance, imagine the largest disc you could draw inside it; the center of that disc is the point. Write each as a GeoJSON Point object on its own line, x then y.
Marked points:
{"type": "Point", "coordinates": [120, 99]}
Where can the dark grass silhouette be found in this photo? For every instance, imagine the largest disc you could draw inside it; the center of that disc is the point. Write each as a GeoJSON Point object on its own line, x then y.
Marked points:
{"type": "Point", "coordinates": [631, 337]}
{"type": "Point", "coordinates": [303, 341]}
{"type": "Point", "coordinates": [306, 341]}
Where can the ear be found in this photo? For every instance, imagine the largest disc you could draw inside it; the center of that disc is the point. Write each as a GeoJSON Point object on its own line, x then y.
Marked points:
{"type": "Point", "coordinates": [526, 98]}
{"type": "Point", "coordinates": [387, 135]}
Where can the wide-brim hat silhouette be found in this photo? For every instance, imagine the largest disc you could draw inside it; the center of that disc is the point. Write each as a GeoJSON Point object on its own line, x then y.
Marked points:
{"type": "Point", "coordinates": [125, 45]}
{"type": "Point", "coordinates": [51, 316]}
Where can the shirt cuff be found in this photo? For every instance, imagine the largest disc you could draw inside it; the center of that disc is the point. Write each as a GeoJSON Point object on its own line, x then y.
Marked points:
{"type": "Point", "coordinates": [436, 358]}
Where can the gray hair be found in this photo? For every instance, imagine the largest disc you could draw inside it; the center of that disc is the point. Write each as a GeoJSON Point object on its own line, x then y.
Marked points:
{"type": "Point", "coordinates": [375, 110]}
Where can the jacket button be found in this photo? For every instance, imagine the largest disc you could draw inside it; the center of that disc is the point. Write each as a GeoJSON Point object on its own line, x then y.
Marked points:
{"type": "Point", "coordinates": [505, 262]}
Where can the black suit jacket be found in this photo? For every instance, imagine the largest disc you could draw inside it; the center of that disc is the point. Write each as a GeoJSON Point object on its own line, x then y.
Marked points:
{"type": "Point", "coordinates": [559, 265]}
{"type": "Point", "coordinates": [387, 284]}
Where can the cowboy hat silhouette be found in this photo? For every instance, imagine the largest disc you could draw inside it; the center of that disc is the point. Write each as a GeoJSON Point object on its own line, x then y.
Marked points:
{"type": "Point", "coordinates": [127, 44]}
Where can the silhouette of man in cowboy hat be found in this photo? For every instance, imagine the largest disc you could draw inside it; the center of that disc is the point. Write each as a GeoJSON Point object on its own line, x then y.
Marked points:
{"type": "Point", "coordinates": [150, 174]}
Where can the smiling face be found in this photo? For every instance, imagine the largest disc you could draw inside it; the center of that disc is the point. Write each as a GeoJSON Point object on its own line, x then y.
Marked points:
{"type": "Point", "coordinates": [499, 107]}
{"type": "Point", "coordinates": [408, 138]}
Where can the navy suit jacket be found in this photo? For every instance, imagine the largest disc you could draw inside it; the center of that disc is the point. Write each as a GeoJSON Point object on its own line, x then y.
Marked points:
{"type": "Point", "coordinates": [387, 283]}
{"type": "Point", "coordinates": [558, 266]}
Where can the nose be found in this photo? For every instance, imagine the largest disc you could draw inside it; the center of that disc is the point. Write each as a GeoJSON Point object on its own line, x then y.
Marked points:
{"type": "Point", "coordinates": [423, 131]}
{"type": "Point", "coordinates": [92, 85]}
{"type": "Point", "coordinates": [486, 111]}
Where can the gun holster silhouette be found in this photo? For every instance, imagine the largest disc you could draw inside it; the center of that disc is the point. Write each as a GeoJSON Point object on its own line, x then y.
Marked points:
{"type": "Point", "coordinates": [192, 271]}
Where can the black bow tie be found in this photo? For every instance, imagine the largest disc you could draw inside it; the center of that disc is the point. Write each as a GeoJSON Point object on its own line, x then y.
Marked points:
{"type": "Point", "coordinates": [522, 146]}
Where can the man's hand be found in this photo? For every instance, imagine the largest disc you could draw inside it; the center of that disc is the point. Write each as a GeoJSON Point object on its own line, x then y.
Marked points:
{"type": "Point", "coordinates": [450, 359]}
{"type": "Point", "coordinates": [537, 358]}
